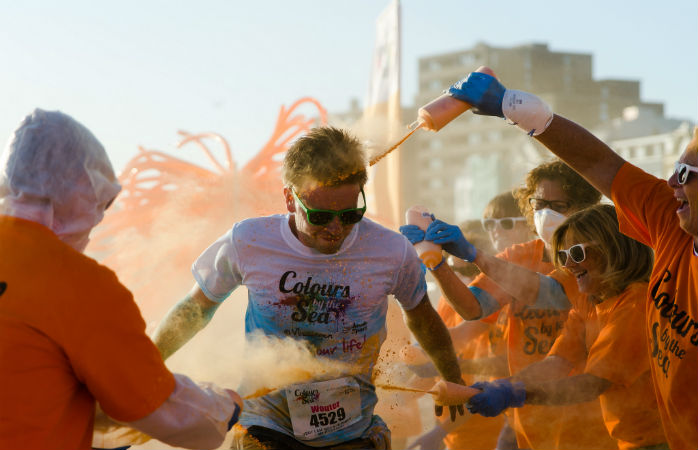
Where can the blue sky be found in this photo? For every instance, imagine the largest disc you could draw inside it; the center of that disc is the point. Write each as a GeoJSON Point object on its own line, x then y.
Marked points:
{"type": "Point", "coordinates": [137, 71]}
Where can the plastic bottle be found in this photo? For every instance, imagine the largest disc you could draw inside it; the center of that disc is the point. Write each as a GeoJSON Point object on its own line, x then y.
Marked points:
{"type": "Point", "coordinates": [437, 113]}
{"type": "Point", "coordinates": [429, 253]}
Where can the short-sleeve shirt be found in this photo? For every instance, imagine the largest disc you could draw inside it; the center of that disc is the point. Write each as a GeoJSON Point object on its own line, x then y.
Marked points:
{"type": "Point", "coordinates": [530, 333]}
{"type": "Point", "coordinates": [602, 338]}
{"type": "Point", "coordinates": [647, 212]}
{"type": "Point", "coordinates": [70, 334]}
{"type": "Point", "coordinates": [336, 302]}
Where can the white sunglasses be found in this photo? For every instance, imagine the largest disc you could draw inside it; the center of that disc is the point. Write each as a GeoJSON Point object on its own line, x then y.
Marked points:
{"type": "Point", "coordinates": [505, 223]}
{"type": "Point", "coordinates": [577, 253]}
{"type": "Point", "coordinates": [682, 170]}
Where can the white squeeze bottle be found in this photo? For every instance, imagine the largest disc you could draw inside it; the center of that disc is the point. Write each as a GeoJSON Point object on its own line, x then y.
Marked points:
{"type": "Point", "coordinates": [436, 114]}
{"type": "Point", "coordinates": [429, 252]}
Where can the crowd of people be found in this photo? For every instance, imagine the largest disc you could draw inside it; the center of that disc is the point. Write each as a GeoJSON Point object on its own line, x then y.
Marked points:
{"type": "Point", "coordinates": [575, 321]}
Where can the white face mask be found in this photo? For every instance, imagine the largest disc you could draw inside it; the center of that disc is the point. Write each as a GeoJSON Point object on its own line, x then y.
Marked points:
{"type": "Point", "coordinates": [547, 221]}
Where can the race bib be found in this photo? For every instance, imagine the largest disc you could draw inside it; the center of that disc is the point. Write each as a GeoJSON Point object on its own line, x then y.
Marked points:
{"type": "Point", "coordinates": [323, 407]}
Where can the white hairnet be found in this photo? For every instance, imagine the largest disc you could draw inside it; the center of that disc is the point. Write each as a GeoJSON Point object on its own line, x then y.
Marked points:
{"type": "Point", "coordinates": [55, 172]}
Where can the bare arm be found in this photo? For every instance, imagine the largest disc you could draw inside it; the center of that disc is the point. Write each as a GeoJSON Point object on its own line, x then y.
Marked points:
{"type": "Point", "coordinates": [566, 391]}
{"type": "Point", "coordinates": [433, 336]}
{"type": "Point", "coordinates": [519, 282]}
{"type": "Point", "coordinates": [582, 151]}
{"type": "Point", "coordinates": [461, 299]}
{"type": "Point", "coordinates": [183, 321]}
{"type": "Point", "coordinates": [549, 368]}
{"type": "Point", "coordinates": [547, 383]}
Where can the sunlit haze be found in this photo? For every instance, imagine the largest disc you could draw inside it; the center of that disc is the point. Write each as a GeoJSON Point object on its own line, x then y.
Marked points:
{"type": "Point", "coordinates": [136, 72]}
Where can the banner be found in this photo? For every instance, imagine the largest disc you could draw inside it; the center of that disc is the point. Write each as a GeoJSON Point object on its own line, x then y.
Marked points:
{"type": "Point", "coordinates": [382, 110]}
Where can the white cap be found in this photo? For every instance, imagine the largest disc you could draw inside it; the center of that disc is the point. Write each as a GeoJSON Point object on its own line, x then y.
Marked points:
{"type": "Point", "coordinates": [55, 172]}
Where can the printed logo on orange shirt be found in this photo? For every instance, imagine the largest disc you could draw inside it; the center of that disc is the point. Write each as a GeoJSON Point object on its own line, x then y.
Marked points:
{"type": "Point", "coordinates": [665, 343]}
{"type": "Point", "coordinates": [3, 287]}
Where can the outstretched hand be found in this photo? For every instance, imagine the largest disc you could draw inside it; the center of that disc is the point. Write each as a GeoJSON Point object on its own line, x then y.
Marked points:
{"type": "Point", "coordinates": [497, 396]}
{"type": "Point", "coordinates": [451, 238]}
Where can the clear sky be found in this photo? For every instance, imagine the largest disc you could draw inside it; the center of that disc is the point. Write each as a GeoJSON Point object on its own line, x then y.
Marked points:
{"type": "Point", "coordinates": [136, 71]}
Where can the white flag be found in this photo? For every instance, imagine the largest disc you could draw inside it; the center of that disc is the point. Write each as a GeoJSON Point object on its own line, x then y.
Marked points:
{"type": "Point", "coordinates": [383, 110]}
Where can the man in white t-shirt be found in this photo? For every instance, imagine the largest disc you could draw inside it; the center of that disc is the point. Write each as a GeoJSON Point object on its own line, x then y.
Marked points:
{"type": "Point", "coordinates": [321, 273]}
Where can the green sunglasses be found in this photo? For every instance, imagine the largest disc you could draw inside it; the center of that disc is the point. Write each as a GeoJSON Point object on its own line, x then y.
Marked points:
{"type": "Point", "coordinates": [322, 217]}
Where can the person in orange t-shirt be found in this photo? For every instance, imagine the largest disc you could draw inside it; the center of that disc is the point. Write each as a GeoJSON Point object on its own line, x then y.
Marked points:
{"type": "Point", "coordinates": [70, 333]}
{"type": "Point", "coordinates": [535, 318]}
{"type": "Point", "coordinates": [611, 271]}
{"type": "Point", "coordinates": [662, 215]}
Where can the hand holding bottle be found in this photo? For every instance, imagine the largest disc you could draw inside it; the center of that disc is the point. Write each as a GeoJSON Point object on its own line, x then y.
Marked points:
{"type": "Point", "coordinates": [489, 97]}
{"type": "Point", "coordinates": [451, 238]}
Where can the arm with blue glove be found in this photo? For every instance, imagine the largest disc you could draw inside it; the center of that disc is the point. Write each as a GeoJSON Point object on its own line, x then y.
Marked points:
{"type": "Point", "coordinates": [455, 291]}
{"type": "Point", "coordinates": [580, 149]}
{"type": "Point", "coordinates": [488, 399]}
{"type": "Point", "coordinates": [541, 383]}
{"type": "Point", "coordinates": [521, 283]}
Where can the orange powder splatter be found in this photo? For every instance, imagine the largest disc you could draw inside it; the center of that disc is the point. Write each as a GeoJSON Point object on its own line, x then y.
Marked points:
{"type": "Point", "coordinates": [387, 152]}
{"type": "Point", "coordinates": [406, 389]}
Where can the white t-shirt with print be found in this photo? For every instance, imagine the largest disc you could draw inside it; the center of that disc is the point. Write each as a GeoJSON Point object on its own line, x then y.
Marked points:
{"type": "Point", "coordinates": [336, 302]}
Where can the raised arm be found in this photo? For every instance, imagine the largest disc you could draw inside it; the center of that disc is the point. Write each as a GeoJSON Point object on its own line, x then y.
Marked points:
{"type": "Point", "coordinates": [580, 149]}
{"type": "Point", "coordinates": [183, 321]}
{"type": "Point", "coordinates": [583, 152]}
{"type": "Point", "coordinates": [519, 282]}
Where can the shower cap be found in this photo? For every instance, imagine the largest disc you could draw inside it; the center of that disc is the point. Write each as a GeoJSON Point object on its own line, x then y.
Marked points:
{"type": "Point", "coordinates": [55, 172]}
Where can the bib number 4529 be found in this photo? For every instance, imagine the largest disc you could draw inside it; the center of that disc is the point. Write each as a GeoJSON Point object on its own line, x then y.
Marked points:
{"type": "Point", "coordinates": [329, 418]}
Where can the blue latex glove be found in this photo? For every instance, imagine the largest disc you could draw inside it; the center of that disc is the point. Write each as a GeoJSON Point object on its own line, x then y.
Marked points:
{"type": "Point", "coordinates": [413, 233]}
{"type": "Point", "coordinates": [496, 397]}
{"type": "Point", "coordinates": [482, 91]}
{"type": "Point", "coordinates": [451, 238]}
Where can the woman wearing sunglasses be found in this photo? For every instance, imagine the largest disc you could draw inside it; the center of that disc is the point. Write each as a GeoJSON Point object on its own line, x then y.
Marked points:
{"type": "Point", "coordinates": [531, 319]}
{"type": "Point", "coordinates": [611, 271]}
{"type": "Point", "coordinates": [658, 213]}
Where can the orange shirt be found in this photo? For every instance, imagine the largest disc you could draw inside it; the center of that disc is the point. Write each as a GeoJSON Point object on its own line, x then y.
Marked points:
{"type": "Point", "coordinates": [449, 315]}
{"type": "Point", "coordinates": [70, 333]}
{"type": "Point", "coordinates": [647, 212]}
{"type": "Point", "coordinates": [530, 333]}
{"type": "Point", "coordinates": [601, 337]}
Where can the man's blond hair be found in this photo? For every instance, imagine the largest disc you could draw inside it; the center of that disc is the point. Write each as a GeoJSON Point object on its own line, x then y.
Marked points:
{"type": "Point", "coordinates": [327, 155]}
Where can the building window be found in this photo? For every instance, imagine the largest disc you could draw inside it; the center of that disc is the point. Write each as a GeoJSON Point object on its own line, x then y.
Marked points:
{"type": "Point", "coordinates": [603, 112]}
{"type": "Point", "coordinates": [436, 183]}
{"type": "Point", "coordinates": [435, 163]}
